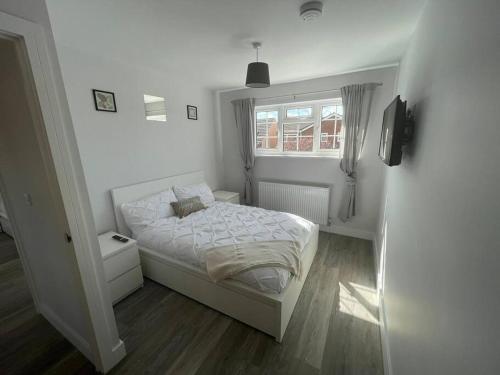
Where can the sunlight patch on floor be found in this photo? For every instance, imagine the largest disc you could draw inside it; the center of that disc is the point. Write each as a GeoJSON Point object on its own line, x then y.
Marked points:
{"type": "Point", "coordinates": [358, 301]}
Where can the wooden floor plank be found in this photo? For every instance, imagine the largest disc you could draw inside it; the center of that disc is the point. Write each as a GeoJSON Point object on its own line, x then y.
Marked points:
{"type": "Point", "coordinates": [333, 330]}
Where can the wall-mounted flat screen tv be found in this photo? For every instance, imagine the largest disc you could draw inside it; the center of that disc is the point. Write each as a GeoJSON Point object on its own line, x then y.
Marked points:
{"type": "Point", "coordinates": [393, 128]}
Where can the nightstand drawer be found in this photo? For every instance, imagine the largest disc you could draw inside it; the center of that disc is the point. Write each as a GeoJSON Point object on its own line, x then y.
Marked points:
{"type": "Point", "coordinates": [125, 284]}
{"type": "Point", "coordinates": [120, 263]}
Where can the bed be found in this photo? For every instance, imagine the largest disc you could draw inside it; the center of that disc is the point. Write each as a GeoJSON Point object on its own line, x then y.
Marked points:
{"type": "Point", "coordinates": [265, 306]}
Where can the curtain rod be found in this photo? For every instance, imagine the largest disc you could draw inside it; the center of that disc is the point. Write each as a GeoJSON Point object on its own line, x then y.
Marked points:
{"type": "Point", "coordinates": [308, 93]}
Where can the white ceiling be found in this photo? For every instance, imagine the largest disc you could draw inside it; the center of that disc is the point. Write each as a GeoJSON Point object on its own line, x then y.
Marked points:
{"type": "Point", "coordinates": [210, 40]}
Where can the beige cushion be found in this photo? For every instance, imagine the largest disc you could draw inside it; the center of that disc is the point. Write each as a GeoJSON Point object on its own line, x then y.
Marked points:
{"type": "Point", "coordinates": [184, 207]}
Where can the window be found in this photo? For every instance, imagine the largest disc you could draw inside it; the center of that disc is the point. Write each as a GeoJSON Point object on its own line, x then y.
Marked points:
{"type": "Point", "coordinates": [309, 128]}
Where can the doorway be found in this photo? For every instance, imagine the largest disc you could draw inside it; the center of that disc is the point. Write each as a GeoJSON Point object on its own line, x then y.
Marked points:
{"type": "Point", "coordinates": [38, 270]}
{"type": "Point", "coordinates": [61, 273]}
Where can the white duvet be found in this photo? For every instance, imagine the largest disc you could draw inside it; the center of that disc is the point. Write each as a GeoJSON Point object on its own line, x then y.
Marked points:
{"type": "Point", "coordinates": [188, 239]}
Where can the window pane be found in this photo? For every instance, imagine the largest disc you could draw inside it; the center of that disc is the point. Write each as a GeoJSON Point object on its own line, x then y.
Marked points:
{"type": "Point", "coordinates": [340, 110]}
{"type": "Point", "coordinates": [299, 112]}
{"type": "Point", "coordinates": [267, 130]}
{"type": "Point", "coordinates": [263, 115]}
{"type": "Point", "coordinates": [305, 112]}
{"type": "Point", "coordinates": [331, 126]}
{"type": "Point", "coordinates": [326, 110]}
{"type": "Point", "coordinates": [298, 137]}
{"type": "Point", "coordinates": [331, 111]}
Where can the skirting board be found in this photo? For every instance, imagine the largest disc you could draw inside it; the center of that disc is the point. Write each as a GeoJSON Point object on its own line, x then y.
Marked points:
{"type": "Point", "coordinates": [347, 231]}
{"type": "Point", "coordinates": [376, 263]}
{"type": "Point", "coordinates": [76, 339]}
{"type": "Point", "coordinates": [384, 337]}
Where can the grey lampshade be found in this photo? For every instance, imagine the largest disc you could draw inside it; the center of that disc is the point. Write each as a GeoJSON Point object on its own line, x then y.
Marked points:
{"type": "Point", "coordinates": [257, 75]}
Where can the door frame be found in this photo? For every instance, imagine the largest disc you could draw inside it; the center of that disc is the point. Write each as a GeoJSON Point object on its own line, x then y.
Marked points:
{"type": "Point", "coordinates": [57, 142]}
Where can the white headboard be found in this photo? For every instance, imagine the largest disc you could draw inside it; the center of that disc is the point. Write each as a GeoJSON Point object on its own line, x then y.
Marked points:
{"type": "Point", "coordinates": [132, 193]}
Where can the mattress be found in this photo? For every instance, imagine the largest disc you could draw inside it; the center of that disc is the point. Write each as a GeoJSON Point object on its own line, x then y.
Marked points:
{"type": "Point", "coordinates": [187, 239]}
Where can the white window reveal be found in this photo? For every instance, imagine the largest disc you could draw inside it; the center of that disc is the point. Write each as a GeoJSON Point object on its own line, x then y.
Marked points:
{"type": "Point", "coordinates": [309, 129]}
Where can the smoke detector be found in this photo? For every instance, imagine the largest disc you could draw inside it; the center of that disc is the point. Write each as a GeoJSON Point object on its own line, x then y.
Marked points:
{"type": "Point", "coordinates": [311, 10]}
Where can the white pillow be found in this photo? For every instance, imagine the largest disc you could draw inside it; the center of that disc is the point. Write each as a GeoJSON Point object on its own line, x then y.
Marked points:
{"type": "Point", "coordinates": [138, 215]}
{"type": "Point", "coordinates": [201, 190]}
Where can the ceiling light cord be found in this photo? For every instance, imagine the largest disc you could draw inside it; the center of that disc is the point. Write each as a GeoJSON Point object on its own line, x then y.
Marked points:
{"type": "Point", "coordinates": [257, 46]}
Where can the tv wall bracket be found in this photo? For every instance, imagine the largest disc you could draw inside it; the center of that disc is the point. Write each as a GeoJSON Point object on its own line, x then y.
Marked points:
{"type": "Point", "coordinates": [409, 127]}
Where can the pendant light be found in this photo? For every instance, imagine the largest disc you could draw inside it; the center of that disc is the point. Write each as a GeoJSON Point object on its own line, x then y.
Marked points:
{"type": "Point", "coordinates": [257, 72]}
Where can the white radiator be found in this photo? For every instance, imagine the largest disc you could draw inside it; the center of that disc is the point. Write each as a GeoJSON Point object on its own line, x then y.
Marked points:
{"type": "Point", "coordinates": [310, 202]}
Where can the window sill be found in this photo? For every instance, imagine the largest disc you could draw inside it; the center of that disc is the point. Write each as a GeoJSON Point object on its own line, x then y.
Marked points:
{"type": "Point", "coordinates": [313, 156]}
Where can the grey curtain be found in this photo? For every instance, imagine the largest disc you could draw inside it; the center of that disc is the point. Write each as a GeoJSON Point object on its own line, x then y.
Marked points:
{"type": "Point", "coordinates": [356, 100]}
{"type": "Point", "coordinates": [244, 115]}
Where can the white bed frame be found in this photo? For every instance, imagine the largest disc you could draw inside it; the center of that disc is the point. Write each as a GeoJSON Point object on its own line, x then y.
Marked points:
{"type": "Point", "coordinates": [267, 312]}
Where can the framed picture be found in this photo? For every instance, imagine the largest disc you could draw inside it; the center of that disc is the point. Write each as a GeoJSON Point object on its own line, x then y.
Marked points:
{"type": "Point", "coordinates": [104, 101]}
{"type": "Point", "coordinates": [192, 112]}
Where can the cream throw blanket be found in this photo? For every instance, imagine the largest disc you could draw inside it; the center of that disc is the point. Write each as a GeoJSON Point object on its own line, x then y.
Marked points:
{"type": "Point", "coordinates": [226, 261]}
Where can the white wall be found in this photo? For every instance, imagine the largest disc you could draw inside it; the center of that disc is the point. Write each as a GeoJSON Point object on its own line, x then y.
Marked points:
{"type": "Point", "coordinates": [442, 242]}
{"type": "Point", "coordinates": [124, 148]}
{"type": "Point", "coordinates": [318, 170]}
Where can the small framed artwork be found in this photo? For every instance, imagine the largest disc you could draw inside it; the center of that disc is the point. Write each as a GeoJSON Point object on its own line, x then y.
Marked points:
{"type": "Point", "coordinates": [104, 101]}
{"type": "Point", "coordinates": [192, 112]}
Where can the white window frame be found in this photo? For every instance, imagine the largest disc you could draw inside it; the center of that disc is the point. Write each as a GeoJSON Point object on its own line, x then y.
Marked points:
{"type": "Point", "coordinates": [282, 119]}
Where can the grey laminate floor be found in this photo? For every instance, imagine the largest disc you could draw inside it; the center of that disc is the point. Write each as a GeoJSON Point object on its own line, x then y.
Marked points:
{"type": "Point", "coordinates": [334, 329]}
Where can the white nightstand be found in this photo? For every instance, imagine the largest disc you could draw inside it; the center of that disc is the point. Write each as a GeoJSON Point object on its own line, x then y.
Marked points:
{"type": "Point", "coordinates": [227, 196]}
{"type": "Point", "coordinates": [122, 266]}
